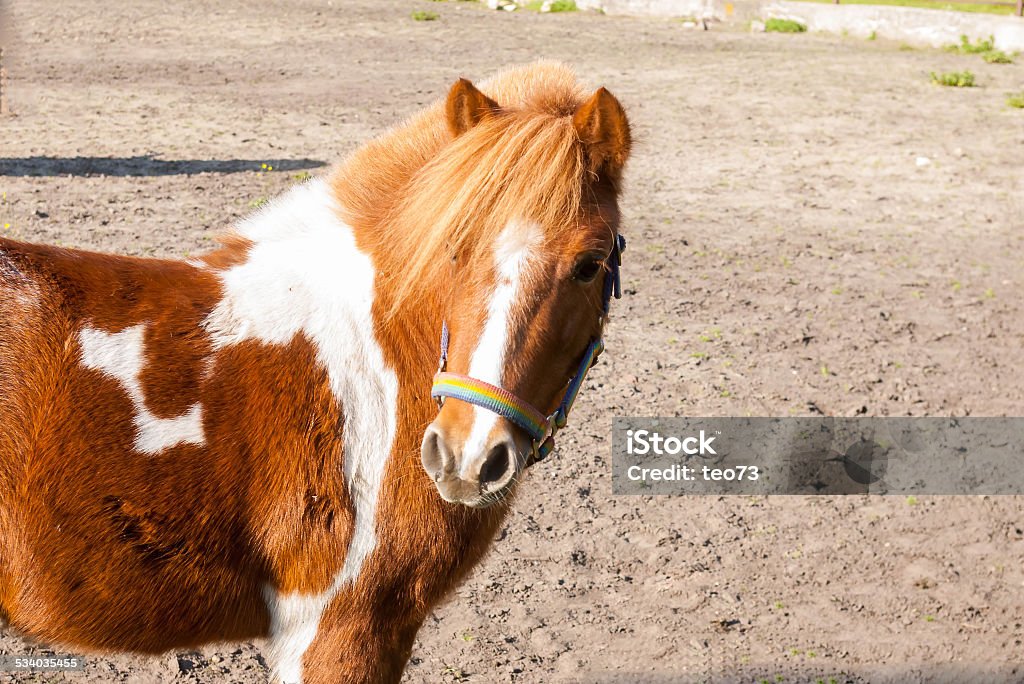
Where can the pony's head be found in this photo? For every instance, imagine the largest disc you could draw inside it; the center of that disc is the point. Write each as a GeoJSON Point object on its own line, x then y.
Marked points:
{"type": "Point", "coordinates": [526, 198]}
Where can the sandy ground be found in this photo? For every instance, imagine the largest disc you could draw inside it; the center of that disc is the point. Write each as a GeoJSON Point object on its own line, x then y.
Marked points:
{"type": "Point", "coordinates": [814, 228]}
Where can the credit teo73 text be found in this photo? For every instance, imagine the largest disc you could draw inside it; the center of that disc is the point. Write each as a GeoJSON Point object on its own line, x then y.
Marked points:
{"type": "Point", "coordinates": [685, 473]}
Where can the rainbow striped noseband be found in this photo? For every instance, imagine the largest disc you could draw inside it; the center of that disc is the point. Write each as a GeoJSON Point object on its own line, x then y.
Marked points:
{"type": "Point", "coordinates": [541, 428]}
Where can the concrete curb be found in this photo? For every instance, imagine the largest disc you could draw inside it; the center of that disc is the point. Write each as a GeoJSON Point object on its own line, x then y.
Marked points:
{"type": "Point", "coordinates": [697, 9]}
{"type": "Point", "coordinates": [693, 9]}
{"type": "Point", "coordinates": [935, 28]}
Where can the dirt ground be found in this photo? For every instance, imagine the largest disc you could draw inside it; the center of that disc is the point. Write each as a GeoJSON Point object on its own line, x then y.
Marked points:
{"type": "Point", "coordinates": [813, 226]}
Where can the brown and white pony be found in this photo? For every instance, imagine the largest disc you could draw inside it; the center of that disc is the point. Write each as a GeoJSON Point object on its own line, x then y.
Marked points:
{"type": "Point", "coordinates": [233, 448]}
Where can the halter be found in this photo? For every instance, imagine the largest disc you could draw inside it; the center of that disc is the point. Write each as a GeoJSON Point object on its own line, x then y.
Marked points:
{"type": "Point", "coordinates": [541, 428]}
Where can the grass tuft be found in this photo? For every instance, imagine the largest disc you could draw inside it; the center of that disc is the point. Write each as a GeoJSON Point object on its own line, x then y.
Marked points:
{"type": "Point", "coordinates": [784, 26]}
{"type": "Point", "coordinates": [954, 79]}
{"type": "Point", "coordinates": [997, 57]}
{"type": "Point", "coordinates": [985, 48]}
{"type": "Point", "coordinates": [425, 15]}
{"type": "Point", "coordinates": [556, 6]}
{"type": "Point", "coordinates": [966, 47]}
{"type": "Point", "coordinates": [1015, 100]}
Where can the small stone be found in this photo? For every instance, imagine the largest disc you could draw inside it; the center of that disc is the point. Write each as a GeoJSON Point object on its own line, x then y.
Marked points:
{"type": "Point", "coordinates": [922, 162]}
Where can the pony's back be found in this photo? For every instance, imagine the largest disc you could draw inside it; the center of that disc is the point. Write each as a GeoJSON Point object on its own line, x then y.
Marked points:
{"type": "Point", "coordinates": [24, 326]}
{"type": "Point", "coordinates": [26, 322]}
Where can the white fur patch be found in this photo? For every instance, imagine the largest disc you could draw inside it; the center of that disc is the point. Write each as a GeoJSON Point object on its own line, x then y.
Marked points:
{"type": "Point", "coordinates": [511, 257]}
{"type": "Point", "coordinates": [305, 275]}
{"type": "Point", "coordinates": [121, 355]}
{"type": "Point", "coordinates": [294, 620]}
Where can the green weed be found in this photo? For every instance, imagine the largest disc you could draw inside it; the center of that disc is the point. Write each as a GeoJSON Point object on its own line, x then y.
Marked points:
{"type": "Point", "coordinates": [966, 47]}
{"type": "Point", "coordinates": [985, 48]}
{"type": "Point", "coordinates": [954, 79]}
{"type": "Point", "coordinates": [997, 57]}
{"type": "Point", "coordinates": [784, 26]}
{"type": "Point", "coordinates": [556, 6]}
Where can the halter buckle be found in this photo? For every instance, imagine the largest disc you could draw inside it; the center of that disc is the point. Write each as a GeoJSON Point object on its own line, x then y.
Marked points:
{"type": "Point", "coordinates": [542, 450]}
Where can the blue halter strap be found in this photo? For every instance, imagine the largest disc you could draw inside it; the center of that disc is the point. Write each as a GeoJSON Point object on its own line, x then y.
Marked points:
{"type": "Point", "coordinates": [506, 404]}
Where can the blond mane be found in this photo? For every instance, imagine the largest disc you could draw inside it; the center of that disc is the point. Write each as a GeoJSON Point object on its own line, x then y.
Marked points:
{"type": "Point", "coordinates": [424, 196]}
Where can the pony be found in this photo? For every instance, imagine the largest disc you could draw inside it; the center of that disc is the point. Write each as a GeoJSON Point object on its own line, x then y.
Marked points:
{"type": "Point", "coordinates": [257, 444]}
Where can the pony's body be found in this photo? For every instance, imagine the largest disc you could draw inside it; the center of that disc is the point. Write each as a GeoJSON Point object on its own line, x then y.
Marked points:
{"type": "Point", "coordinates": [229, 448]}
{"type": "Point", "coordinates": [254, 380]}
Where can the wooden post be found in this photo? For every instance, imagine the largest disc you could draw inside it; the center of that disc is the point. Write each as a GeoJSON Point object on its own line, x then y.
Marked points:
{"type": "Point", "coordinates": [1020, 8]}
{"type": "Point", "coordinates": [3, 84]}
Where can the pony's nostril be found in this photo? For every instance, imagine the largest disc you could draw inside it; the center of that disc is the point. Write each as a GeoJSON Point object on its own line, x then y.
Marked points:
{"type": "Point", "coordinates": [497, 467]}
{"type": "Point", "coordinates": [434, 455]}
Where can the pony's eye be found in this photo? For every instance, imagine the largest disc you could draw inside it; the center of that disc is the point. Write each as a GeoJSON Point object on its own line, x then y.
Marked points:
{"type": "Point", "coordinates": [586, 269]}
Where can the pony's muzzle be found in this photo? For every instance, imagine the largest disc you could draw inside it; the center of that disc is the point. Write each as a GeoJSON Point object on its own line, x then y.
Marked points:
{"type": "Point", "coordinates": [477, 478]}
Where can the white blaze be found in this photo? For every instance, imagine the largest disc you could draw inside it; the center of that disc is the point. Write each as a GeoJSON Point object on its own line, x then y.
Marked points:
{"type": "Point", "coordinates": [511, 259]}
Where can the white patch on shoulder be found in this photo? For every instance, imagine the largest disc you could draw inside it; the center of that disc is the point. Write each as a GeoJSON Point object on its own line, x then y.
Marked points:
{"type": "Point", "coordinates": [121, 355]}
{"type": "Point", "coordinates": [511, 258]}
{"type": "Point", "coordinates": [305, 275]}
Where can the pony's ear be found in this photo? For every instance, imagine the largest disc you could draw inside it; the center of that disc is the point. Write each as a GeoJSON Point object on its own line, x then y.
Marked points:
{"type": "Point", "coordinates": [466, 107]}
{"type": "Point", "coordinates": [603, 128]}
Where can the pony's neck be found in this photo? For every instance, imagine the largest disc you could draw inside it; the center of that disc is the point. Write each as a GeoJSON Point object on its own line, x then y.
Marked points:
{"type": "Point", "coordinates": [372, 180]}
{"type": "Point", "coordinates": [304, 257]}
{"type": "Point", "coordinates": [367, 188]}
{"type": "Point", "coordinates": [359, 198]}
